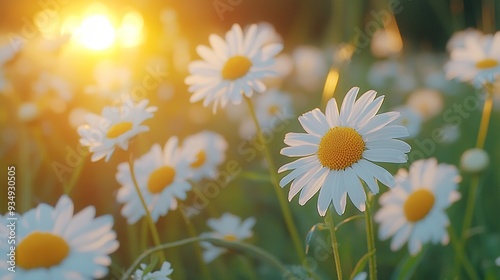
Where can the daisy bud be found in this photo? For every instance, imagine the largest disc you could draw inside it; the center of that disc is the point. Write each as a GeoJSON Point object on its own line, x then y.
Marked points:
{"type": "Point", "coordinates": [474, 160]}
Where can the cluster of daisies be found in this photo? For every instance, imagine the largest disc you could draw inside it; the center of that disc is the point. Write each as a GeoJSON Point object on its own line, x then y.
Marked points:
{"type": "Point", "coordinates": [337, 157]}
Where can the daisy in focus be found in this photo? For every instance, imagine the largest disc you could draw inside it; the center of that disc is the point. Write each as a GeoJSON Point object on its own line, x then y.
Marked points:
{"type": "Point", "coordinates": [207, 150]}
{"type": "Point", "coordinates": [165, 270]}
{"type": "Point", "coordinates": [162, 178]}
{"type": "Point", "coordinates": [337, 151]}
{"type": "Point", "coordinates": [232, 68]}
{"type": "Point", "coordinates": [414, 210]}
{"type": "Point", "coordinates": [228, 227]}
{"type": "Point", "coordinates": [54, 244]}
{"type": "Point", "coordinates": [115, 128]}
{"type": "Point", "coordinates": [478, 61]}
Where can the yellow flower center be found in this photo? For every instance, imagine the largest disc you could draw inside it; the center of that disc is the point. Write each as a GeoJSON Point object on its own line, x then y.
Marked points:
{"type": "Point", "coordinates": [160, 179]}
{"type": "Point", "coordinates": [201, 157]}
{"type": "Point", "coordinates": [273, 110]}
{"type": "Point", "coordinates": [41, 250]}
{"type": "Point", "coordinates": [340, 147]}
{"type": "Point", "coordinates": [236, 67]}
{"type": "Point", "coordinates": [118, 129]}
{"type": "Point", "coordinates": [230, 237]}
{"type": "Point", "coordinates": [486, 63]}
{"type": "Point", "coordinates": [418, 205]}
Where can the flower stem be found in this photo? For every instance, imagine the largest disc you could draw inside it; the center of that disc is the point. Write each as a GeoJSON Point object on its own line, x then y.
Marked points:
{"type": "Point", "coordinates": [152, 227]}
{"type": "Point", "coordinates": [335, 247]}
{"type": "Point", "coordinates": [192, 232]}
{"type": "Point", "coordinates": [461, 257]}
{"type": "Point", "coordinates": [370, 239]}
{"type": "Point", "coordinates": [238, 246]}
{"type": "Point", "coordinates": [485, 118]}
{"type": "Point", "coordinates": [272, 171]}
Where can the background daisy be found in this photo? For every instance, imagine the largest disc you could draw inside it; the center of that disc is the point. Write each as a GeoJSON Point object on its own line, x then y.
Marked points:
{"type": "Point", "coordinates": [207, 150]}
{"type": "Point", "coordinates": [116, 126]}
{"type": "Point", "coordinates": [54, 244]}
{"type": "Point", "coordinates": [232, 67]}
{"type": "Point", "coordinates": [228, 227]}
{"type": "Point", "coordinates": [165, 270]}
{"type": "Point", "coordinates": [414, 210]}
{"type": "Point", "coordinates": [162, 178]}
{"type": "Point", "coordinates": [338, 149]}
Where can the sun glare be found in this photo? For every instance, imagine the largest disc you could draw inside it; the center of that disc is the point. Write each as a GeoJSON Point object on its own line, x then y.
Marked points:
{"type": "Point", "coordinates": [96, 32]}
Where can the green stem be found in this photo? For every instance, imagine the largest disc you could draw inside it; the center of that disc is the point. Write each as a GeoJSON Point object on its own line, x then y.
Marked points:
{"type": "Point", "coordinates": [335, 247]}
{"type": "Point", "coordinates": [370, 239]}
{"type": "Point", "coordinates": [274, 178]}
{"type": "Point", "coordinates": [192, 232]}
{"type": "Point", "coordinates": [152, 227]}
{"type": "Point", "coordinates": [237, 246]}
{"type": "Point", "coordinates": [68, 188]}
{"type": "Point", "coordinates": [461, 257]}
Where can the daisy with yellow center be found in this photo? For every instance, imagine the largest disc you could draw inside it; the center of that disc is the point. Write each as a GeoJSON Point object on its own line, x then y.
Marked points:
{"type": "Point", "coordinates": [161, 177]}
{"type": "Point", "coordinates": [207, 151]}
{"type": "Point", "coordinates": [233, 67]}
{"type": "Point", "coordinates": [115, 128]}
{"type": "Point", "coordinates": [477, 61]}
{"type": "Point", "coordinates": [53, 244]}
{"type": "Point", "coordinates": [229, 228]}
{"type": "Point", "coordinates": [337, 151]}
{"type": "Point", "coordinates": [414, 210]}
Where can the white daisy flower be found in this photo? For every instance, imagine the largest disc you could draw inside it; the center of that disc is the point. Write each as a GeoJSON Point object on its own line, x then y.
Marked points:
{"type": "Point", "coordinates": [232, 67]}
{"type": "Point", "coordinates": [311, 67]}
{"type": "Point", "coordinates": [427, 102]}
{"type": "Point", "coordinates": [414, 210]}
{"type": "Point", "coordinates": [116, 126]}
{"type": "Point", "coordinates": [409, 119]}
{"type": "Point", "coordinates": [54, 244]}
{"type": "Point", "coordinates": [477, 62]}
{"type": "Point", "coordinates": [337, 149]}
{"type": "Point", "coordinates": [165, 270]}
{"type": "Point", "coordinates": [162, 178]}
{"type": "Point", "coordinates": [459, 38]}
{"type": "Point", "coordinates": [228, 227]}
{"type": "Point", "coordinates": [207, 151]}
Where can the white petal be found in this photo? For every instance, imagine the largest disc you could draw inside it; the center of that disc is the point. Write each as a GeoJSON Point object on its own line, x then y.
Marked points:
{"type": "Point", "coordinates": [348, 104]}
{"type": "Point", "coordinates": [354, 189]}
{"type": "Point", "coordinates": [385, 155]}
{"type": "Point", "coordinates": [332, 113]}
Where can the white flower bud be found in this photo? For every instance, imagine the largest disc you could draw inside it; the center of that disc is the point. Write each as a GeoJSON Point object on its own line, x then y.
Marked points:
{"type": "Point", "coordinates": [474, 160]}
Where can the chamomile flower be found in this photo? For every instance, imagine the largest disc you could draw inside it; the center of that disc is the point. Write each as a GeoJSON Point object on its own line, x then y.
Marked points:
{"type": "Point", "coordinates": [162, 178]}
{"type": "Point", "coordinates": [414, 210]}
{"type": "Point", "coordinates": [228, 227]}
{"type": "Point", "coordinates": [337, 151]}
{"type": "Point", "coordinates": [478, 61]}
{"type": "Point", "coordinates": [427, 102]}
{"type": "Point", "coordinates": [232, 68]}
{"type": "Point", "coordinates": [207, 150]}
{"type": "Point", "coordinates": [409, 119]}
{"type": "Point", "coordinates": [116, 126]}
{"type": "Point", "coordinates": [54, 244]}
{"type": "Point", "coordinates": [165, 270]}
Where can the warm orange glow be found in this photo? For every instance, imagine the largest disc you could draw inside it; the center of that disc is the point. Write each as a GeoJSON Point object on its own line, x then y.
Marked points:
{"type": "Point", "coordinates": [130, 32]}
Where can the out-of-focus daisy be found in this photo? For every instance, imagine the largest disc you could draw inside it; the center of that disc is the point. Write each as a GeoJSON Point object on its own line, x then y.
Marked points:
{"type": "Point", "coordinates": [232, 68]}
{"type": "Point", "coordinates": [386, 42]}
{"type": "Point", "coordinates": [449, 133]}
{"type": "Point", "coordinates": [207, 151]}
{"type": "Point", "coordinates": [116, 126]}
{"type": "Point", "coordinates": [54, 244]}
{"type": "Point", "coordinates": [427, 102]}
{"type": "Point", "coordinates": [49, 83]}
{"type": "Point", "coordinates": [393, 74]}
{"type": "Point", "coordinates": [337, 151]}
{"type": "Point", "coordinates": [458, 39]}
{"type": "Point", "coordinates": [414, 210]}
{"type": "Point", "coordinates": [310, 68]}
{"type": "Point", "coordinates": [409, 119]}
{"type": "Point", "coordinates": [162, 274]}
{"type": "Point", "coordinates": [112, 81]}
{"type": "Point", "coordinates": [272, 109]}
{"type": "Point", "coordinates": [28, 111]}
{"type": "Point", "coordinates": [478, 61]}
{"type": "Point", "coordinates": [228, 227]}
{"type": "Point", "coordinates": [284, 68]}
{"type": "Point", "coordinates": [161, 177]}
{"type": "Point", "coordinates": [474, 160]}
